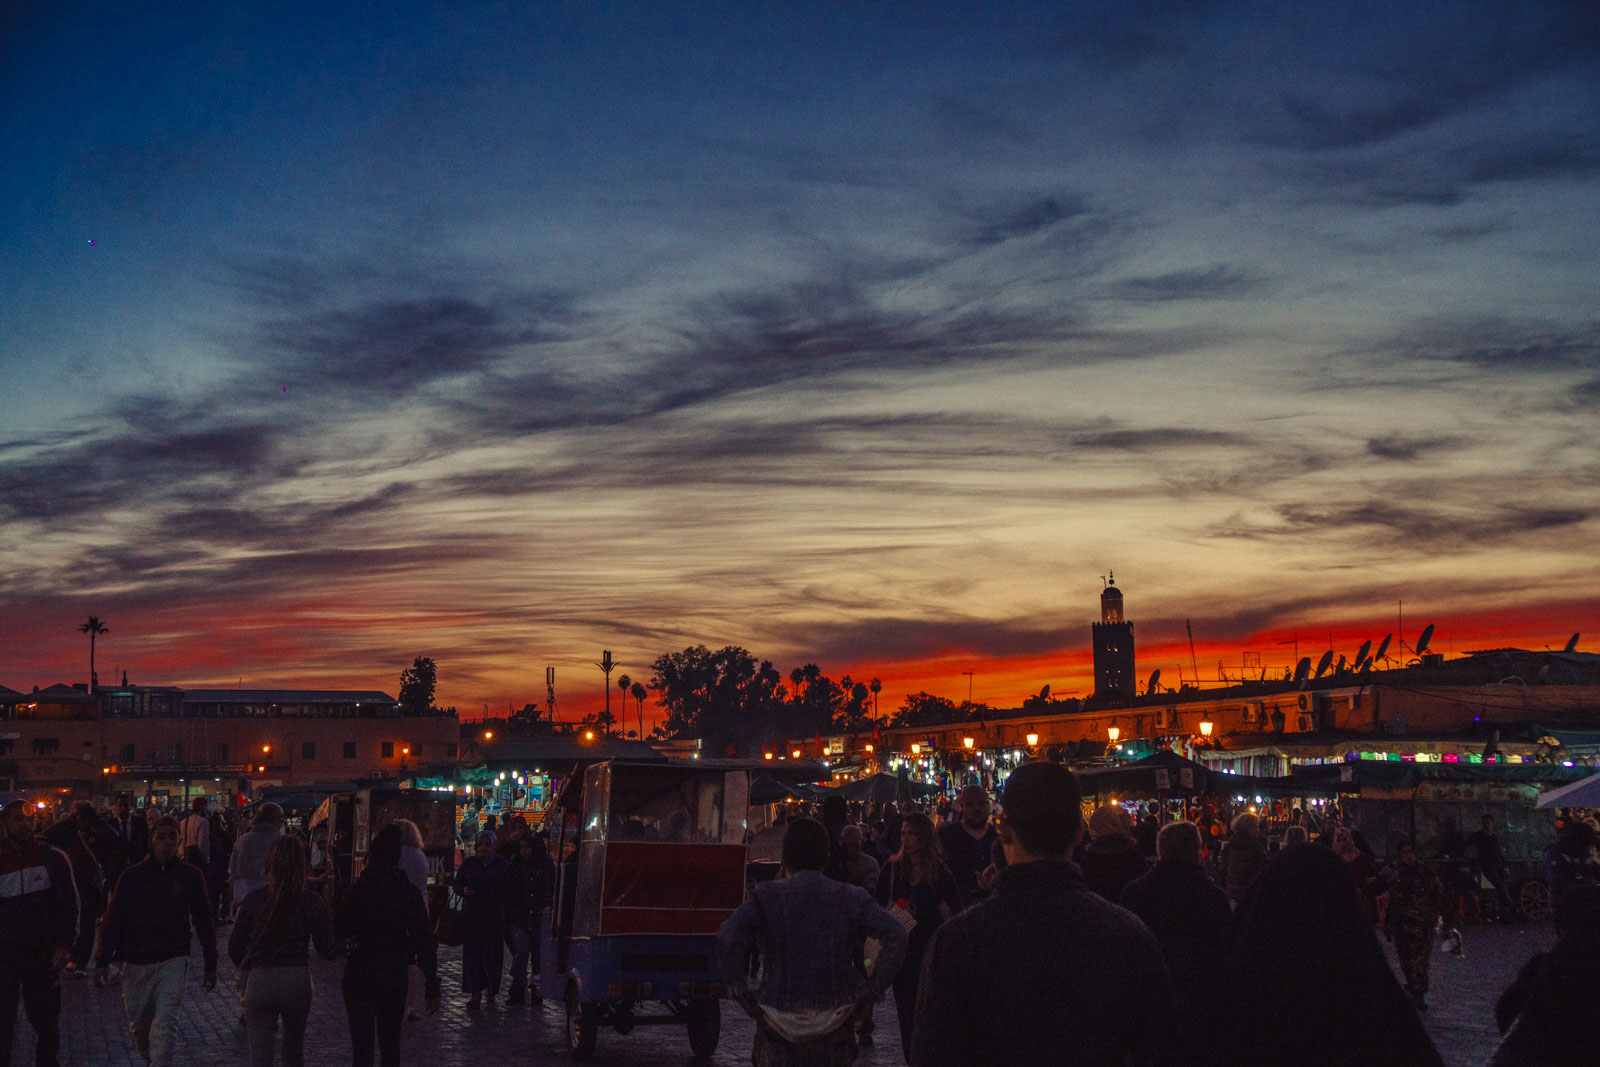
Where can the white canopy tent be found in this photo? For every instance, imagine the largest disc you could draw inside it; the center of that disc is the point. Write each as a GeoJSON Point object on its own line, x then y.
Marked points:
{"type": "Point", "coordinates": [1584, 793]}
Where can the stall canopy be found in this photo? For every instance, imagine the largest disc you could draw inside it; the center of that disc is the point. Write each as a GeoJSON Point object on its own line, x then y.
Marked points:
{"type": "Point", "coordinates": [765, 789]}
{"type": "Point", "coordinates": [881, 789]}
{"type": "Point", "coordinates": [1159, 772]}
{"type": "Point", "coordinates": [1584, 793]}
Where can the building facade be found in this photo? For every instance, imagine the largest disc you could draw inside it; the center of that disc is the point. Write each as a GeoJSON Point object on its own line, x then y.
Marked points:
{"type": "Point", "coordinates": [161, 743]}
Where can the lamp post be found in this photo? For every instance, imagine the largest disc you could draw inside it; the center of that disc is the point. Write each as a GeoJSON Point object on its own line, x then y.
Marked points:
{"type": "Point", "coordinates": [1206, 726]}
{"type": "Point", "coordinates": [1033, 740]}
{"type": "Point", "coordinates": [1113, 732]}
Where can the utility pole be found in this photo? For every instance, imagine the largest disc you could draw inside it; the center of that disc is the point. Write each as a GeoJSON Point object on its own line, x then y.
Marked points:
{"type": "Point", "coordinates": [1189, 629]}
{"type": "Point", "coordinates": [969, 687]}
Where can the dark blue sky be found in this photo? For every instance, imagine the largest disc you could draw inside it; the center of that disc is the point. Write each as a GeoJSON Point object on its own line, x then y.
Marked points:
{"type": "Point", "coordinates": [863, 333]}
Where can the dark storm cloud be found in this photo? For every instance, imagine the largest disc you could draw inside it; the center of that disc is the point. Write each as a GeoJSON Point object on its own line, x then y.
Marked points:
{"type": "Point", "coordinates": [1400, 446]}
{"type": "Point", "coordinates": [1210, 283]}
{"type": "Point", "coordinates": [388, 349]}
{"type": "Point", "coordinates": [915, 638]}
{"type": "Point", "coordinates": [1416, 527]}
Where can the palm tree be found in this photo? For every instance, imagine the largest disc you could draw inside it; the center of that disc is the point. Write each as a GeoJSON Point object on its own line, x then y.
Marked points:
{"type": "Point", "coordinates": [622, 684]}
{"type": "Point", "coordinates": [876, 687]}
{"type": "Point", "coordinates": [638, 693]}
{"type": "Point", "coordinates": [94, 628]}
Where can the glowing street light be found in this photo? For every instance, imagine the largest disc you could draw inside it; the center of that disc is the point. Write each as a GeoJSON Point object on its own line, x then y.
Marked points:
{"type": "Point", "coordinates": [488, 735]}
{"type": "Point", "coordinates": [1033, 740]}
{"type": "Point", "coordinates": [588, 735]}
{"type": "Point", "coordinates": [916, 749]}
{"type": "Point", "coordinates": [869, 748]}
{"type": "Point", "coordinates": [795, 753]}
{"type": "Point", "coordinates": [1113, 732]}
{"type": "Point", "coordinates": [766, 755]}
{"type": "Point", "coordinates": [967, 742]}
{"type": "Point", "coordinates": [1206, 726]}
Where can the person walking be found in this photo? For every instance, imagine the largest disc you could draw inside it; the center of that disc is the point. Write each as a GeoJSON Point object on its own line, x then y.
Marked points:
{"type": "Point", "coordinates": [1090, 973]}
{"type": "Point", "coordinates": [1189, 915]}
{"type": "Point", "coordinates": [851, 864]}
{"type": "Point", "coordinates": [195, 843]}
{"type": "Point", "coordinates": [38, 925]}
{"type": "Point", "coordinates": [414, 862]}
{"type": "Point", "coordinates": [385, 925]}
{"type": "Point", "coordinates": [133, 838]}
{"type": "Point", "coordinates": [1416, 902]}
{"type": "Point", "coordinates": [484, 882]}
{"type": "Point", "coordinates": [1243, 856]}
{"type": "Point", "coordinates": [84, 839]}
{"type": "Point", "coordinates": [147, 927]}
{"type": "Point", "coordinates": [917, 884]}
{"type": "Point", "coordinates": [532, 888]}
{"type": "Point", "coordinates": [809, 929]}
{"type": "Point", "coordinates": [247, 866]}
{"type": "Point", "coordinates": [1492, 862]}
{"type": "Point", "coordinates": [1569, 862]}
{"type": "Point", "coordinates": [1112, 858]}
{"type": "Point", "coordinates": [1547, 1014]}
{"type": "Point", "coordinates": [967, 841]}
{"type": "Point", "coordinates": [1305, 980]}
{"type": "Point", "coordinates": [269, 947]}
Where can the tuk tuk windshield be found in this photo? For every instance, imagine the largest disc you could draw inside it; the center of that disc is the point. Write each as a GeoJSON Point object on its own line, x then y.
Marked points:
{"type": "Point", "coordinates": [666, 805]}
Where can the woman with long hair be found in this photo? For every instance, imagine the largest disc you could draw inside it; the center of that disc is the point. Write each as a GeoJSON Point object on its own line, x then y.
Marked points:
{"type": "Point", "coordinates": [917, 880]}
{"type": "Point", "coordinates": [269, 947]}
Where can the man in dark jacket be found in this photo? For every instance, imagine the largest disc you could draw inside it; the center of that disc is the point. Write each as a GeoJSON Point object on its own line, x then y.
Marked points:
{"type": "Point", "coordinates": [968, 841]}
{"type": "Point", "coordinates": [1189, 915]}
{"type": "Point", "coordinates": [147, 926]}
{"type": "Point", "coordinates": [87, 842]}
{"type": "Point", "coordinates": [38, 924]}
{"type": "Point", "coordinates": [133, 837]}
{"type": "Point", "coordinates": [1112, 858]}
{"type": "Point", "coordinates": [1044, 940]}
{"type": "Point", "coordinates": [386, 924]}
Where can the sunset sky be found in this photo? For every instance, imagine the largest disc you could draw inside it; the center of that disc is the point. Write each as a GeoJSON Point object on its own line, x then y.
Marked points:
{"type": "Point", "coordinates": [866, 334]}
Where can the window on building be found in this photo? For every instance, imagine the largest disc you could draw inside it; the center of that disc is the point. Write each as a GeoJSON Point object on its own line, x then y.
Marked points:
{"type": "Point", "coordinates": [129, 754]}
{"type": "Point", "coordinates": [46, 746]}
{"type": "Point", "coordinates": [450, 751]}
{"type": "Point", "coordinates": [308, 750]}
{"type": "Point", "coordinates": [222, 754]}
{"type": "Point", "coordinates": [349, 750]}
{"type": "Point", "coordinates": [175, 752]}
{"type": "Point", "coordinates": [388, 750]}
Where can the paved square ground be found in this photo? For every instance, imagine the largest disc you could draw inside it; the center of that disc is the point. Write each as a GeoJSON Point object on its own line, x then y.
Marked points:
{"type": "Point", "coordinates": [94, 1028]}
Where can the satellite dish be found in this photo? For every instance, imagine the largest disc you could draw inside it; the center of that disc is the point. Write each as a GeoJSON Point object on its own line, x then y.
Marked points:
{"type": "Point", "coordinates": [1302, 670]}
{"type": "Point", "coordinates": [1339, 668]}
{"type": "Point", "coordinates": [1324, 663]}
{"type": "Point", "coordinates": [1383, 647]}
{"type": "Point", "coordinates": [1366, 646]}
{"type": "Point", "coordinates": [1572, 644]}
{"type": "Point", "coordinates": [1154, 678]}
{"type": "Point", "coordinates": [1422, 642]}
{"type": "Point", "coordinates": [1044, 694]}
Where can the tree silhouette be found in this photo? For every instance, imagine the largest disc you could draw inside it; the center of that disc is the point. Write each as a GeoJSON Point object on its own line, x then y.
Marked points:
{"type": "Point", "coordinates": [417, 685]}
{"type": "Point", "coordinates": [623, 682]}
{"type": "Point", "coordinates": [638, 693]}
{"type": "Point", "coordinates": [876, 687]}
{"type": "Point", "coordinates": [94, 628]}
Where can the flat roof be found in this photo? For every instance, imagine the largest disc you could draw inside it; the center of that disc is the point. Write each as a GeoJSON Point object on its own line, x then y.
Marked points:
{"type": "Point", "coordinates": [286, 696]}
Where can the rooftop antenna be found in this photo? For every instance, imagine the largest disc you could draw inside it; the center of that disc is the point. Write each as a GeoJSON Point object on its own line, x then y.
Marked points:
{"type": "Point", "coordinates": [1190, 629]}
{"type": "Point", "coordinates": [608, 665]}
{"type": "Point", "coordinates": [1295, 641]}
{"type": "Point", "coordinates": [550, 693]}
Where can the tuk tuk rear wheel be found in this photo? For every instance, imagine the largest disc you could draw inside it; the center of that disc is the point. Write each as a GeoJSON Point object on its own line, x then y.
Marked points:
{"type": "Point", "coordinates": [1534, 898]}
{"type": "Point", "coordinates": [705, 1025]}
{"type": "Point", "coordinates": [583, 1026]}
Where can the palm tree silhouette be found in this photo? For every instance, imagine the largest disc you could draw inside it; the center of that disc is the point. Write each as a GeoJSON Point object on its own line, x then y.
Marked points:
{"type": "Point", "coordinates": [94, 628]}
{"type": "Point", "coordinates": [638, 693]}
{"type": "Point", "coordinates": [622, 684]}
{"type": "Point", "coordinates": [876, 687]}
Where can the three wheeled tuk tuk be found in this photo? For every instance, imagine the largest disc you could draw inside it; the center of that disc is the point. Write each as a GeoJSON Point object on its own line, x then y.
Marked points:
{"type": "Point", "coordinates": [650, 860]}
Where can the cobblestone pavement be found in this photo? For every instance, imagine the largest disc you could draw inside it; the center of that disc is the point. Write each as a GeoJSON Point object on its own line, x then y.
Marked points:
{"type": "Point", "coordinates": [94, 1028]}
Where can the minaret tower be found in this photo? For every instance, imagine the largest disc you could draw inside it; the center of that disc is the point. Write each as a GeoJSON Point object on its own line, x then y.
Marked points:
{"type": "Point", "coordinates": [1113, 648]}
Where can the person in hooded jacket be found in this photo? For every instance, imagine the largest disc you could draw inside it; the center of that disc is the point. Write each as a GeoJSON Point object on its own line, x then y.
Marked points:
{"type": "Point", "coordinates": [1300, 937]}
{"type": "Point", "coordinates": [1112, 858]}
{"type": "Point", "coordinates": [1547, 1014]}
{"type": "Point", "coordinates": [385, 924]}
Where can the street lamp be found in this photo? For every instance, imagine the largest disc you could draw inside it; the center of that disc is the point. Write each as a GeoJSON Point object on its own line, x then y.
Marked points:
{"type": "Point", "coordinates": [795, 753]}
{"type": "Point", "coordinates": [766, 755]}
{"type": "Point", "coordinates": [916, 749]}
{"type": "Point", "coordinates": [869, 748]}
{"type": "Point", "coordinates": [1113, 732]}
{"type": "Point", "coordinates": [1033, 740]}
{"type": "Point", "coordinates": [967, 742]}
{"type": "Point", "coordinates": [1206, 726]}
{"type": "Point", "coordinates": [488, 735]}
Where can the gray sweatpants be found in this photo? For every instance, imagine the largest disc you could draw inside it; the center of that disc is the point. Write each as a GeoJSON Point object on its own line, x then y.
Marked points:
{"type": "Point", "coordinates": [270, 993]}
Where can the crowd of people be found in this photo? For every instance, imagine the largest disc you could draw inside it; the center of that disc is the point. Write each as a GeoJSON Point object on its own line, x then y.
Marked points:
{"type": "Point", "coordinates": [1038, 935]}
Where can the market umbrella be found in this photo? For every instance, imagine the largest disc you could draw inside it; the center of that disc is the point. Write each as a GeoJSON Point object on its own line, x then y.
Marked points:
{"type": "Point", "coordinates": [882, 789]}
{"type": "Point", "coordinates": [1584, 793]}
{"type": "Point", "coordinates": [765, 789]}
